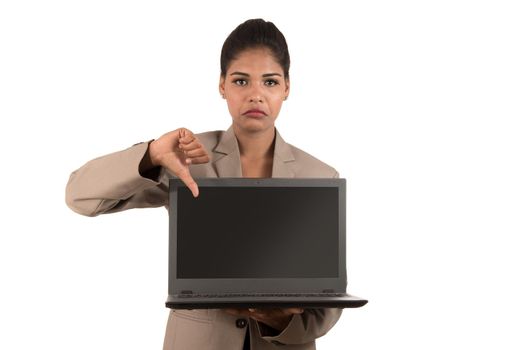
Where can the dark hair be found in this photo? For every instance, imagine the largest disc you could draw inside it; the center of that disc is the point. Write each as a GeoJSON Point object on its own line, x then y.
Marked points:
{"type": "Point", "coordinates": [255, 33]}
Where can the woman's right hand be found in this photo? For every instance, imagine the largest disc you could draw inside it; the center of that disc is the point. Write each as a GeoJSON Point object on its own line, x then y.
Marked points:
{"type": "Point", "coordinates": [175, 151]}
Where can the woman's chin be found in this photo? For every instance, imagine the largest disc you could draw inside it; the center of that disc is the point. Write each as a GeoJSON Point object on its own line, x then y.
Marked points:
{"type": "Point", "coordinates": [253, 125]}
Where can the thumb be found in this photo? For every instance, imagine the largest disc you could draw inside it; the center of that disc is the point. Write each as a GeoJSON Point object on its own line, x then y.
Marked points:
{"type": "Point", "coordinates": [186, 178]}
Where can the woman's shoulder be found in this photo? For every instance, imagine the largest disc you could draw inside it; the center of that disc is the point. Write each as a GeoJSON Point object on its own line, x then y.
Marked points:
{"type": "Point", "coordinates": [307, 165]}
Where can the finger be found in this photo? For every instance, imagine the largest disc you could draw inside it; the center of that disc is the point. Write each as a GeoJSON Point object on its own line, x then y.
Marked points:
{"type": "Point", "coordinates": [238, 312]}
{"type": "Point", "coordinates": [234, 312]}
{"type": "Point", "coordinates": [272, 312]}
{"type": "Point", "coordinates": [181, 134]}
{"type": "Point", "coordinates": [186, 137]}
{"type": "Point", "coordinates": [260, 314]}
{"type": "Point", "coordinates": [186, 178]}
{"type": "Point", "coordinates": [186, 140]}
{"type": "Point", "coordinates": [293, 310]}
{"type": "Point", "coordinates": [199, 160]}
{"type": "Point", "coordinates": [190, 146]}
{"type": "Point", "coordinates": [252, 313]}
{"type": "Point", "coordinates": [199, 152]}
{"type": "Point", "coordinates": [261, 311]}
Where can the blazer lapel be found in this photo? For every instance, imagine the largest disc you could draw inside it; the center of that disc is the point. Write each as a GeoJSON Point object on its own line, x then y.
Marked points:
{"type": "Point", "coordinates": [227, 163]}
{"type": "Point", "coordinates": [282, 158]}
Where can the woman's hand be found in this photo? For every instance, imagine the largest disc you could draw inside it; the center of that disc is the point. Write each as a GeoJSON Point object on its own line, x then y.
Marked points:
{"type": "Point", "coordinates": [277, 319]}
{"type": "Point", "coordinates": [175, 151]}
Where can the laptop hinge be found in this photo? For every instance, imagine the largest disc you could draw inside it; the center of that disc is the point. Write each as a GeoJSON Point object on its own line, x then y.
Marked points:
{"type": "Point", "coordinates": [328, 291]}
{"type": "Point", "coordinates": [186, 292]}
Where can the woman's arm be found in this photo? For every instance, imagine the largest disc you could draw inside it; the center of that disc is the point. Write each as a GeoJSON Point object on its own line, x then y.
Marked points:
{"type": "Point", "coordinates": [114, 183]}
{"type": "Point", "coordinates": [135, 177]}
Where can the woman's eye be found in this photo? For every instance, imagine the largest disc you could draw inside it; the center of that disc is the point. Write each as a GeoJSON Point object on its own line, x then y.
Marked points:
{"type": "Point", "coordinates": [239, 82]}
{"type": "Point", "coordinates": [271, 82]}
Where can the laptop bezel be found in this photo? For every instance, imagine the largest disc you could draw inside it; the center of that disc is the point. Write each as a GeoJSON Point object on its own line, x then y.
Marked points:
{"type": "Point", "coordinates": [262, 285]}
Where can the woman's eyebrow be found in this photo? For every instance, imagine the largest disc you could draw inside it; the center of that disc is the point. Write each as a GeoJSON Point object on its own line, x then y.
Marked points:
{"type": "Point", "coordinates": [263, 75]}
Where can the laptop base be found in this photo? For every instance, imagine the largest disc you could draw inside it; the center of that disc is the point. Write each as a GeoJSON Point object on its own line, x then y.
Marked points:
{"type": "Point", "coordinates": [347, 301]}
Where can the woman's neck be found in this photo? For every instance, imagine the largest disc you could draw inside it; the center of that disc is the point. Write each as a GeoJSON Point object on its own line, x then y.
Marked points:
{"type": "Point", "coordinates": [256, 146]}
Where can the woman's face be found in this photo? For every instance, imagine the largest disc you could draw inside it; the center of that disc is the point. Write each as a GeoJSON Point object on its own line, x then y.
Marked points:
{"type": "Point", "coordinates": [254, 87]}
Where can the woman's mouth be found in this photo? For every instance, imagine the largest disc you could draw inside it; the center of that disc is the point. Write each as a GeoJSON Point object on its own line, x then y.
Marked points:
{"type": "Point", "coordinates": [255, 113]}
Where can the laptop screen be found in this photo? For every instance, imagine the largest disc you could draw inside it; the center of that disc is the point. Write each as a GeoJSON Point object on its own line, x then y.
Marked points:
{"type": "Point", "coordinates": [257, 232]}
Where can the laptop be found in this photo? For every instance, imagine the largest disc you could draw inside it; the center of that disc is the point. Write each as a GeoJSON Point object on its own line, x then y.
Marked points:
{"type": "Point", "coordinates": [258, 243]}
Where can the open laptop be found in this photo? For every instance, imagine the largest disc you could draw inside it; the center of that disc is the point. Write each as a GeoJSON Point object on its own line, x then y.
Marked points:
{"type": "Point", "coordinates": [258, 242]}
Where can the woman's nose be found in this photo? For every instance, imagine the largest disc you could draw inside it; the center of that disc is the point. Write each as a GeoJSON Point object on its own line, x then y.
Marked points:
{"type": "Point", "coordinates": [255, 93]}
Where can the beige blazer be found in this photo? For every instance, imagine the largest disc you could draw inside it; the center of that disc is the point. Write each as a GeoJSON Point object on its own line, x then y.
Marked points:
{"type": "Point", "coordinates": [112, 183]}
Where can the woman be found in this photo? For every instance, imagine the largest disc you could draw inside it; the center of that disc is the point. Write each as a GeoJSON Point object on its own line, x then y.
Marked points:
{"type": "Point", "coordinates": [254, 81]}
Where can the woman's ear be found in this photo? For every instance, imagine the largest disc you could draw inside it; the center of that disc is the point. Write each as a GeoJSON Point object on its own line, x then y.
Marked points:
{"type": "Point", "coordinates": [221, 84]}
{"type": "Point", "coordinates": [286, 91]}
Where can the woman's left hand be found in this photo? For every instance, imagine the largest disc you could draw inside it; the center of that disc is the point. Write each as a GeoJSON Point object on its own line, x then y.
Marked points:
{"type": "Point", "coordinates": [277, 319]}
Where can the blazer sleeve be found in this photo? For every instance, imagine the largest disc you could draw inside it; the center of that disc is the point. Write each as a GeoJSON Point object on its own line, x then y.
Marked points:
{"type": "Point", "coordinates": [303, 328]}
{"type": "Point", "coordinates": [113, 183]}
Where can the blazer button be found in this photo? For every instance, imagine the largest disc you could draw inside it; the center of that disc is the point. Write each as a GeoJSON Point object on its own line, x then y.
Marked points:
{"type": "Point", "coordinates": [241, 323]}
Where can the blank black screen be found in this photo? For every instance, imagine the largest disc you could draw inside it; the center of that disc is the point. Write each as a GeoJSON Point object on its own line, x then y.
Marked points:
{"type": "Point", "coordinates": [262, 232]}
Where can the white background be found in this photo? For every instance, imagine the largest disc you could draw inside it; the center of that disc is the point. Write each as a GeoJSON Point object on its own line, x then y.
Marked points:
{"type": "Point", "coordinates": [418, 103]}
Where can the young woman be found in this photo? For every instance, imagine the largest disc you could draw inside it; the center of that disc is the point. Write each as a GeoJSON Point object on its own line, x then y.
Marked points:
{"type": "Point", "coordinates": [254, 81]}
